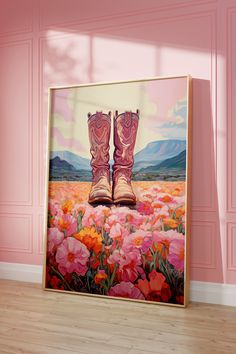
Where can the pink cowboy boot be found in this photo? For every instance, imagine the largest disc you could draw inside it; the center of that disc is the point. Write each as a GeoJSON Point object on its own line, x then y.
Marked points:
{"type": "Point", "coordinates": [99, 127]}
{"type": "Point", "coordinates": [125, 131]}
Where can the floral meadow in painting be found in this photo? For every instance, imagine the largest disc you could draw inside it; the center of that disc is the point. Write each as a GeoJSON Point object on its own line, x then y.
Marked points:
{"type": "Point", "coordinates": [117, 190]}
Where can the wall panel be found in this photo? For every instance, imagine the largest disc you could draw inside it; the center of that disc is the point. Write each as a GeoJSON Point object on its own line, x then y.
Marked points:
{"type": "Point", "coordinates": [58, 42]}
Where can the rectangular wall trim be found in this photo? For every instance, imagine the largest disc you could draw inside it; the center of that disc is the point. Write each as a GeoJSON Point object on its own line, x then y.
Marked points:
{"type": "Point", "coordinates": [212, 293]}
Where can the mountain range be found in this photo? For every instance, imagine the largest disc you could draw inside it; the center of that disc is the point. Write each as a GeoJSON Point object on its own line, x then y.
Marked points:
{"type": "Point", "coordinates": [177, 162]}
{"type": "Point", "coordinates": [57, 164]}
{"type": "Point", "coordinates": [79, 163]}
{"type": "Point", "coordinates": [158, 151]}
{"type": "Point", "coordinates": [162, 154]}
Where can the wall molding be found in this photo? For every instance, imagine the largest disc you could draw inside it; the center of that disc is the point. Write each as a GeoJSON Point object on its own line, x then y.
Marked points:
{"type": "Point", "coordinates": [211, 264]}
{"type": "Point", "coordinates": [27, 29]}
{"type": "Point", "coordinates": [230, 242]}
{"type": "Point", "coordinates": [212, 293]}
{"type": "Point", "coordinates": [29, 48]}
{"type": "Point", "coordinates": [125, 14]}
{"type": "Point", "coordinates": [29, 220]}
{"type": "Point", "coordinates": [230, 13]}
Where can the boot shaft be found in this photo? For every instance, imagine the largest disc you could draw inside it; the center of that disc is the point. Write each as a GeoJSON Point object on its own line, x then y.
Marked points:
{"type": "Point", "coordinates": [125, 132]}
{"type": "Point", "coordinates": [99, 128]}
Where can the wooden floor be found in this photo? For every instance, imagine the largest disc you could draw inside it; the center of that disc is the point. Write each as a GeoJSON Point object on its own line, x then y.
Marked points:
{"type": "Point", "coordinates": [36, 321]}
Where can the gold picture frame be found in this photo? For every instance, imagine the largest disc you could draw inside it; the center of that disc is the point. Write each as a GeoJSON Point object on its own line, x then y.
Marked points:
{"type": "Point", "coordinates": [165, 108]}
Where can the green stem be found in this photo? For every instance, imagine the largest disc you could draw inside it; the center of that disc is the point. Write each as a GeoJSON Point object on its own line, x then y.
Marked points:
{"type": "Point", "coordinates": [62, 278]}
{"type": "Point", "coordinates": [154, 260]}
{"type": "Point", "coordinates": [167, 273]}
{"type": "Point", "coordinates": [79, 222]}
{"type": "Point", "coordinates": [113, 275]}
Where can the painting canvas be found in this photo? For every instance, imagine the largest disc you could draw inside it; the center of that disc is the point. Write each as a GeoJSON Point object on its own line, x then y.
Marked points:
{"type": "Point", "coordinates": [118, 188]}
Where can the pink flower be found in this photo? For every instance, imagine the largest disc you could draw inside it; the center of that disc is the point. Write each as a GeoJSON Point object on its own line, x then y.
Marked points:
{"type": "Point", "coordinates": [133, 218]}
{"type": "Point", "coordinates": [88, 220]}
{"type": "Point", "coordinates": [180, 200]}
{"type": "Point", "coordinates": [139, 239]}
{"type": "Point", "coordinates": [117, 216]}
{"type": "Point", "coordinates": [95, 216]}
{"type": "Point", "coordinates": [176, 254]}
{"type": "Point", "coordinates": [55, 238]}
{"type": "Point", "coordinates": [72, 256]}
{"type": "Point", "coordinates": [175, 246]}
{"type": "Point", "coordinates": [128, 263]}
{"type": "Point", "coordinates": [127, 290]}
{"type": "Point", "coordinates": [155, 190]}
{"type": "Point", "coordinates": [110, 221]}
{"type": "Point", "coordinates": [80, 208]}
{"type": "Point", "coordinates": [145, 208]}
{"type": "Point", "coordinates": [118, 232]}
{"type": "Point", "coordinates": [161, 211]}
{"type": "Point", "coordinates": [154, 221]}
{"type": "Point", "coordinates": [53, 208]}
{"type": "Point", "coordinates": [146, 195]}
{"type": "Point", "coordinates": [120, 212]}
{"type": "Point", "coordinates": [170, 200]}
{"type": "Point", "coordinates": [171, 235]}
{"type": "Point", "coordinates": [67, 223]}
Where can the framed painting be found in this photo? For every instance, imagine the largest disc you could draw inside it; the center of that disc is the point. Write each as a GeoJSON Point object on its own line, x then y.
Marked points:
{"type": "Point", "coordinates": [118, 190]}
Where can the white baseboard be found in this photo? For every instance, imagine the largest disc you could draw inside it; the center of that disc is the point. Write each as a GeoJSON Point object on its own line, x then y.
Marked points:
{"type": "Point", "coordinates": [212, 293]}
{"type": "Point", "coordinates": [21, 272]}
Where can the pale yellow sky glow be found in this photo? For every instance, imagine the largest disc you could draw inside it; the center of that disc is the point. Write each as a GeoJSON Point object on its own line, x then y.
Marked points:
{"type": "Point", "coordinates": [71, 107]}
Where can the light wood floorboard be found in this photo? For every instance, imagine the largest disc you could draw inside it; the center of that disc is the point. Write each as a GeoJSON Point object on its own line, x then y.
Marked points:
{"type": "Point", "coordinates": [33, 321]}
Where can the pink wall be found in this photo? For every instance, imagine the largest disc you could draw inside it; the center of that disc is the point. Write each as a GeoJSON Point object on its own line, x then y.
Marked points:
{"type": "Point", "coordinates": [60, 42]}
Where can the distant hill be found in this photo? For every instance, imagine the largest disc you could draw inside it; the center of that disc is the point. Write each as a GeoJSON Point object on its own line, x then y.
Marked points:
{"type": "Point", "coordinates": [79, 163]}
{"type": "Point", "coordinates": [175, 163]}
{"type": "Point", "coordinates": [60, 165]}
{"type": "Point", "coordinates": [61, 170]}
{"type": "Point", "coordinates": [158, 151]}
{"type": "Point", "coordinates": [157, 161]}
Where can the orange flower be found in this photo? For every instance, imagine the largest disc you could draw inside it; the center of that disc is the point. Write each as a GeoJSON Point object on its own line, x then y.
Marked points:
{"type": "Point", "coordinates": [166, 199]}
{"type": "Point", "coordinates": [63, 223]}
{"type": "Point", "coordinates": [100, 276]}
{"type": "Point", "coordinates": [138, 241]}
{"type": "Point", "coordinates": [106, 212]}
{"type": "Point", "coordinates": [90, 238]}
{"type": "Point", "coordinates": [179, 212]}
{"type": "Point", "coordinates": [172, 223]}
{"type": "Point", "coordinates": [162, 247]}
{"type": "Point", "coordinates": [157, 205]}
{"type": "Point", "coordinates": [176, 192]}
{"type": "Point", "coordinates": [67, 206]}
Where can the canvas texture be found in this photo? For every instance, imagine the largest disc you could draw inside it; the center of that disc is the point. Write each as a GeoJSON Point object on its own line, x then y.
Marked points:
{"type": "Point", "coordinates": [117, 190]}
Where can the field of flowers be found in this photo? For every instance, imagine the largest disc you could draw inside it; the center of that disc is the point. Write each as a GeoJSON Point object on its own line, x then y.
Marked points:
{"type": "Point", "coordinates": [118, 251]}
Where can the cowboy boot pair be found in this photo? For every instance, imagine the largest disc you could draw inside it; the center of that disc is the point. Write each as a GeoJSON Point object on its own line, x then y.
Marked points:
{"type": "Point", "coordinates": [125, 131]}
